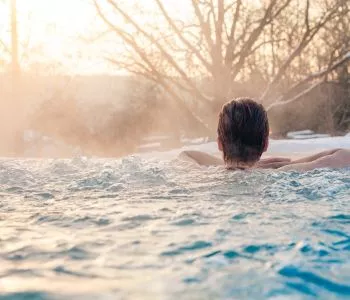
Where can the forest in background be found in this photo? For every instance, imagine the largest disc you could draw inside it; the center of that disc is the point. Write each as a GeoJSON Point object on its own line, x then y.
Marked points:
{"type": "Point", "coordinates": [293, 56]}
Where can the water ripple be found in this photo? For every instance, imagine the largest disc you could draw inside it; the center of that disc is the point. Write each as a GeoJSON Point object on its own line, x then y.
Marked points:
{"type": "Point", "coordinates": [309, 277]}
{"type": "Point", "coordinates": [134, 229]}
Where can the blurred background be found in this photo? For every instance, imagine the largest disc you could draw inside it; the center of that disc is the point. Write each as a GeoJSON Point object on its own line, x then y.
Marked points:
{"type": "Point", "coordinates": [113, 77]}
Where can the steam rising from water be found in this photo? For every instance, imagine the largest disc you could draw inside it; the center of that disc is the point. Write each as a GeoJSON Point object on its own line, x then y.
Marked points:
{"type": "Point", "coordinates": [102, 115]}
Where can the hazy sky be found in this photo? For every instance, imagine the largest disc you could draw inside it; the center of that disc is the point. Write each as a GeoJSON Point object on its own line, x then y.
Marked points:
{"type": "Point", "coordinates": [54, 30]}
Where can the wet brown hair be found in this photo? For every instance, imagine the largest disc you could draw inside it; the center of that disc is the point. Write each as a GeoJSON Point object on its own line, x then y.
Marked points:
{"type": "Point", "coordinates": [243, 130]}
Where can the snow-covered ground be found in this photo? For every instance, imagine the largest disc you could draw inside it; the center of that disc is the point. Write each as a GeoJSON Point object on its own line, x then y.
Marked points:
{"type": "Point", "coordinates": [41, 146]}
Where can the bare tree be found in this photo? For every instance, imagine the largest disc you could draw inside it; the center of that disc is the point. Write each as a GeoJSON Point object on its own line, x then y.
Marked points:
{"type": "Point", "coordinates": [307, 56]}
{"type": "Point", "coordinates": [312, 77]}
{"type": "Point", "coordinates": [218, 41]}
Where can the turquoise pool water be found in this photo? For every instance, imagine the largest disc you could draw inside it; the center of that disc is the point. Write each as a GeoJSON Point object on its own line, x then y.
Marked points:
{"type": "Point", "coordinates": [137, 229]}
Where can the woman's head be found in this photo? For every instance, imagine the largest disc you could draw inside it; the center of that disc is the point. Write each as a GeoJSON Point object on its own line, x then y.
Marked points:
{"type": "Point", "coordinates": [243, 131]}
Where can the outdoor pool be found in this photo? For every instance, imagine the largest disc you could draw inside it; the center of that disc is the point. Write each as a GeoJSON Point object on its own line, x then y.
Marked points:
{"type": "Point", "coordinates": [145, 229]}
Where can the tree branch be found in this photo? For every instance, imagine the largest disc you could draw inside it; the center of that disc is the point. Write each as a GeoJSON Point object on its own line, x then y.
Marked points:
{"type": "Point", "coordinates": [267, 19]}
{"type": "Point", "coordinates": [309, 78]}
{"type": "Point", "coordinates": [7, 49]}
{"type": "Point", "coordinates": [158, 77]}
{"type": "Point", "coordinates": [307, 37]}
{"type": "Point", "coordinates": [218, 32]}
{"type": "Point", "coordinates": [231, 39]}
{"type": "Point", "coordinates": [205, 27]}
{"type": "Point", "coordinates": [180, 35]}
{"type": "Point", "coordinates": [295, 98]}
{"type": "Point", "coordinates": [165, 54]}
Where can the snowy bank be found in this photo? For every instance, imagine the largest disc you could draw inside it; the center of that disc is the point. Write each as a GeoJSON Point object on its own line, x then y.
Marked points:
{"type": "Point", "coordinates": [290, 148]}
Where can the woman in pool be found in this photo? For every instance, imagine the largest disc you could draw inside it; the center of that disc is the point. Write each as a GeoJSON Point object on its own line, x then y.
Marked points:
{"type": "Point", "coordinates": [243, 136]}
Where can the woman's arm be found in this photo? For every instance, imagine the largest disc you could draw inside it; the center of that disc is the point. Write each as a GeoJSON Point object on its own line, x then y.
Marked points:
{"type": "Point", "coordinates": [299, 164]}
{"type": "Point", "coordinates": [315, 156]}
{"type": "Point", "coordinates": [201, 158]}
{"type": "Point", "coordinates": [338, 158]}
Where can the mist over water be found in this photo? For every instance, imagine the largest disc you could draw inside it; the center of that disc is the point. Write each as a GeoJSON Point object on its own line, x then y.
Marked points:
{"type": "Point", "coordinates": [62, 116]}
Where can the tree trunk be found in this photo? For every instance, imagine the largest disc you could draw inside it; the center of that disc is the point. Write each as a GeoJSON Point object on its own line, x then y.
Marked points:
{"type": "Point", "coordinates": [16, 107]}
{"type": "Point", "coordinates": [14, 41]}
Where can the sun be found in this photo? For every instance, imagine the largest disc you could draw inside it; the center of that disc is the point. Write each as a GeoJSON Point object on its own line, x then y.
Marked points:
{"type": "Point", "coordinates": [48, 29]}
